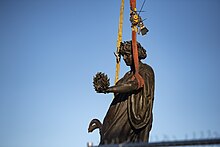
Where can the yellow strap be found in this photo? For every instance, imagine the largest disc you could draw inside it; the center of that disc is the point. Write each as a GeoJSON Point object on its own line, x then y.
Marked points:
{"type": "Point", "coordinates": [119, 39]}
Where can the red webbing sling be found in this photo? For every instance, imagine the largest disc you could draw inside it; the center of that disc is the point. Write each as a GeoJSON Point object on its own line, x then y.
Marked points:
{"type": "Point", "coordinates": [134, 44]}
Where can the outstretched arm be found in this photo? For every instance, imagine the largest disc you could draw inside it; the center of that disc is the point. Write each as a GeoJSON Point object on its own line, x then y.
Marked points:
{"type": "Point", "coordinates": [123, 88]}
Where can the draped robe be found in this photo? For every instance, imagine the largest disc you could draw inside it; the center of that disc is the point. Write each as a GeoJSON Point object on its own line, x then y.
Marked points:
{"type": "Point", "coordinates": [129, 117]}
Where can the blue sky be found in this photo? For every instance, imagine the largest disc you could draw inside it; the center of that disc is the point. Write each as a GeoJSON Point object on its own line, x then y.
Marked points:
{"type": "Point", "coordinates": [50, 51]}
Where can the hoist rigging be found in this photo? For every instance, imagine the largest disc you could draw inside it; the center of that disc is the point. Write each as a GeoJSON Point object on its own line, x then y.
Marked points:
{"type": "Point", "coordinates": [137, 26]}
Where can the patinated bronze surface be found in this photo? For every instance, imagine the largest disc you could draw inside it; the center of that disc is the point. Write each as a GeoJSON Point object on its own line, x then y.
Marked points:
{"type": "Point", "coordinates": [129, 117]}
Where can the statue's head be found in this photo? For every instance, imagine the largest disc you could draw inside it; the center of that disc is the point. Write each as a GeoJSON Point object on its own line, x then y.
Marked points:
{"type": "Point", "coordinates": [126, 48]}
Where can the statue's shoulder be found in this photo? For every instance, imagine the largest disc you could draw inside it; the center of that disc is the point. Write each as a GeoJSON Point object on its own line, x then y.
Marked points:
{"type": "Point", "coordinates": [147, 70]}
{"type": "Point", "coordinates": [147, 67]}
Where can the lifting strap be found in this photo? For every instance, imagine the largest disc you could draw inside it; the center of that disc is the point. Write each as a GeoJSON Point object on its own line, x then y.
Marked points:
{"type": "Point", "coordinates": [119, 40]}
{"type": "Point", "coordinates": [134, 21]}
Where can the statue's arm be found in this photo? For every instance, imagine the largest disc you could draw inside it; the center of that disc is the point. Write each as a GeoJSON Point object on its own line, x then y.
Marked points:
{"type": "Point", "coordinates": [123, 88]}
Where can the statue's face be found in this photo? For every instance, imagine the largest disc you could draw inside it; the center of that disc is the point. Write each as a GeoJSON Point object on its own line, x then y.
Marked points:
{"type": "Point", "coordinates": [128, 58]}
{"type": "Point", "coordinates": [126, 54]}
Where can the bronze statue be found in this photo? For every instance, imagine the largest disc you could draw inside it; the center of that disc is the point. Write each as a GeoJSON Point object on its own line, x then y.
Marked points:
{"type": "Point", "coordinates": [129, 117]}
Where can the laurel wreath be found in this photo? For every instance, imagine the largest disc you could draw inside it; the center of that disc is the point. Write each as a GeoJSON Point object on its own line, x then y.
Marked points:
{"type": "Point", "coordinates": [100, 82]}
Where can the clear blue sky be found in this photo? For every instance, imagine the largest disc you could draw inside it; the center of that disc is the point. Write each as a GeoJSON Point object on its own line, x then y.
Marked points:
{"type": "Point", "coordinates": [51, 49]}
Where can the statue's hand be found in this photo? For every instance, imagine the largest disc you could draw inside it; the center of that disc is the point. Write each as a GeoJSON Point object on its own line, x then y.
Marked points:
{"type": "Point", "coordinates": [100, 89]}
{"type": "Point", "coordinates": [101, 82]}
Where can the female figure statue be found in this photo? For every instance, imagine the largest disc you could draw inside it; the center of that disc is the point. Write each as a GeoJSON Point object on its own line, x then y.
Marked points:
{"type": "Point", "coordinates": [129, 117]}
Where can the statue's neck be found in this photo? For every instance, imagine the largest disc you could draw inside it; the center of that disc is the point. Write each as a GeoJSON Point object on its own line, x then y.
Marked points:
{"type": "Point", "coordinates": [133, 68]}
